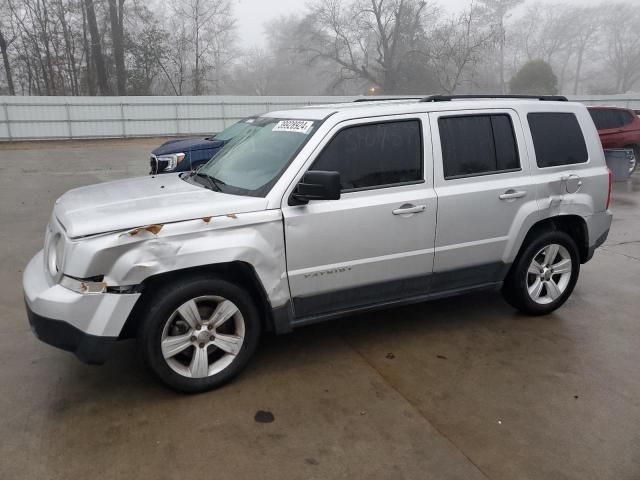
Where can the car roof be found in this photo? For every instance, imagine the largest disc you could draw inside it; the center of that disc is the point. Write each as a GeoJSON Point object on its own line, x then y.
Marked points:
{"type": "Point", "coordinates": [409, 106]}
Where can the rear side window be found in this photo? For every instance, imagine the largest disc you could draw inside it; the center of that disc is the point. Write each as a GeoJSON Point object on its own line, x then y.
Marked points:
{"type": "Point", "coordinates": [557, 139]}
{"type": "Point", "coordinates": [375, 155]}
{"type": "Point", "coordinates": [477, 145]}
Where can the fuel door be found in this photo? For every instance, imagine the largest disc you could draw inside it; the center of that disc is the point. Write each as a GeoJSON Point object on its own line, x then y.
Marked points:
{"type": "Point", "coordinates": [572, 183]}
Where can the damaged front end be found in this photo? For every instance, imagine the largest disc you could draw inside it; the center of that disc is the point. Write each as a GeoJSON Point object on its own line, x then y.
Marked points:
{"type": "Point", "coordinates": [80, 292]}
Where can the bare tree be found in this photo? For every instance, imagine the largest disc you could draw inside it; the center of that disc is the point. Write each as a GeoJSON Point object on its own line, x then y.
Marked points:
{"type": "Point", "coordinates": [33, 22]}
{"type": "Point", "coordinates": [255, 73]}
{"type": "Point", "coordinates": [368, 39]}
{"type": "Point", "coordinates": [174, 63]}
{"type": "Point", "coordinates": [586, 26]}
{"type": "Point", "coordinates": [282, 67]}
{"type": "Point", "coordinates": [499, 11]}
{"type": "Point", "coordinates": [80, 47]}
{"type": "Point", "coordinates": [147, 46]}
{"type": "Point", "coordinates": [547, 30]}
{"type": "Point", "coordinates": [7, 37]}
{"type": "Point", "coordinates": [96, 49]}
{"type": "Point", "coordinates": [63, 12]}
{"type": "Point", "coordinates": [211, 26]}
{"type": "Point", "coordinates": [89, 64]}
{"type": "Point", "coordinates": [116, 8]}
{"type": "Point", "coordinates": [622, 37]}
{"type": "Point", "coordinates": [457, 46]}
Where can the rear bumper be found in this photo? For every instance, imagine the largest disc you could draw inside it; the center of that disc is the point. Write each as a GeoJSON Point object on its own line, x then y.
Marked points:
{"type": "Point", "coordinates": [598, 226]}
{"type": "Point", "coordinates": [90, 349]}
{"type": "Point", "coordinates": [85, 324]}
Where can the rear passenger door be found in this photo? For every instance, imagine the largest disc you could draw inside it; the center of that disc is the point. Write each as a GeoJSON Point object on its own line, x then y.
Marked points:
{"type": "Point", "coordinates": [482, 181]}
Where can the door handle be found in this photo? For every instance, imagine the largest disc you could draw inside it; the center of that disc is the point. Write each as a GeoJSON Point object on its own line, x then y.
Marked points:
{"type": "Point", "coordinates": [512, 195]}
{"type": "Point", "coordinates": [408, 209]}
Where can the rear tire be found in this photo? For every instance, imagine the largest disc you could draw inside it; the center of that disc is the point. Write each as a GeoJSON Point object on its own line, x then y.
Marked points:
{"type": "Point", "coordinates": [199, 333]}
{"type": "Point", "coordinates": [636, 151]}
{"type": "Point", "coordinates": [544, 274]}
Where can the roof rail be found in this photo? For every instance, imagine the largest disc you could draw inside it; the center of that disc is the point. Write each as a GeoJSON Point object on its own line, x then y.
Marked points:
{"type": "Point", "coordinates": [448, 98]}
{"type": "Point", "coordinates": [388, 99]}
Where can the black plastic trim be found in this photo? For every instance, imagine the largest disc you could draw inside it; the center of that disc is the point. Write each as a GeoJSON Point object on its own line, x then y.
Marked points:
{"type": "Point", "coordinates": [91, 349]}
{"type": "Point", "coordinates": [388, 185]}
{"type": "Point", "coordinates": [448, 98]}
{"type": "Point", "coordinates": [592, 248]}
{"type": "Point", "coordinates": [283, 318]}
{"type": "Point", "coordinates": [299, 322]}
{"type": "Point", "coordinates": [398, 292]}
{"type": "Point", "coordinates": [384, 99]}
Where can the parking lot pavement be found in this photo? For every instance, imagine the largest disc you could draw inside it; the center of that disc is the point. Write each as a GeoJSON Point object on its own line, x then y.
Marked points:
{"type": "Point", "coordinates": [462, 388]}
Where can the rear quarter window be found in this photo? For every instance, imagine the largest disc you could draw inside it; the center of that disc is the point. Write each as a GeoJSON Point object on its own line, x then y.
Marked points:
{"type": "Point", "coordinates": [557, 139]}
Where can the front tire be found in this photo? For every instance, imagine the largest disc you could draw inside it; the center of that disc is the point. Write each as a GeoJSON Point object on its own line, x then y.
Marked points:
{"type": "Point", "coordinates": [544, 274]}
{"type": "Point", "coordinates": [198, 334]}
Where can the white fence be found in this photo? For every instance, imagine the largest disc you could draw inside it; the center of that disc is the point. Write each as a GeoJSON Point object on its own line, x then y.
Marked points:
{"type": "Point", "coordinates": [59, 118]}
{"type": "Point", "coordinates": [43, 118]}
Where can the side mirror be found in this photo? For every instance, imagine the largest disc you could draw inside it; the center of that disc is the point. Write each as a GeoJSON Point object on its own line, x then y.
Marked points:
{"type": "Point", "coordinates": [317, 185]}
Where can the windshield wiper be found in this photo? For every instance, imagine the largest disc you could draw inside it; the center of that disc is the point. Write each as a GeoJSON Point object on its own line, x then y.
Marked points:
{"type": "Point", "coordinates": [213, 182]}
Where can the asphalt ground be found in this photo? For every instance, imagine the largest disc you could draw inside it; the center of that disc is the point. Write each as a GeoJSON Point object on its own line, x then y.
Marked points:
{"type": "Point", "coordinates": [464, 388]}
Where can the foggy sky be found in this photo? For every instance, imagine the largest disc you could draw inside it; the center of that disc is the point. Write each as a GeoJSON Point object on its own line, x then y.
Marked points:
{"type": "Point", "coordinates": [251, 14]}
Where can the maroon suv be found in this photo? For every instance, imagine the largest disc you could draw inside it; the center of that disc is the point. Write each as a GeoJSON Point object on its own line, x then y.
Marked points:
{"type": "Point", "coordinates": [618, 128]}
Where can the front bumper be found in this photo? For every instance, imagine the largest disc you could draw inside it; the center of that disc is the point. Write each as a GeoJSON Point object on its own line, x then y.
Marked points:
{"type": "Point", "coordinates": [85, 324]}
{"type": "Point", "coordinates": [90, 349]}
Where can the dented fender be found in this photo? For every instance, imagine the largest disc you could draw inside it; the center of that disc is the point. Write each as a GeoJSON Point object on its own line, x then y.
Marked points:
{"type": "Point", "coordinates": [129, 257]}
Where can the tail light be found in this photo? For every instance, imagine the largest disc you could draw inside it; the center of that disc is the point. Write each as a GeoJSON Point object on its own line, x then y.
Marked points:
{"type": "Point", "coordinates": [609, 193]}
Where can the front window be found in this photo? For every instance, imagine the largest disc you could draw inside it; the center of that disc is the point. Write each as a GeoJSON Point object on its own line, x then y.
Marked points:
{"type": "Point", "coordinates": [375, 155]}
{"type": "Point", "coordinates": [256, 157]}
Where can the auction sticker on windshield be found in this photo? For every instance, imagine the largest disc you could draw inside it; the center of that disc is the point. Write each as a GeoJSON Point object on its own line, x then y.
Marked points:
{"type": "Point", "coordinates": [294, 126]}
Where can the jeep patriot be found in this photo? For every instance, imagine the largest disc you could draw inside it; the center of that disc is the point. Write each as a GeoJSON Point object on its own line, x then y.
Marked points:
{"type": "Point", "coordinates": [318, 213]}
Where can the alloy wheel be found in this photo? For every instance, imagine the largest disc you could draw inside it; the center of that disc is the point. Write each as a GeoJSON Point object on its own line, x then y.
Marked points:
{"type": "Point", "coordinates": [549, 274]}
{"type": "Point", "coordinates": [203, 336]}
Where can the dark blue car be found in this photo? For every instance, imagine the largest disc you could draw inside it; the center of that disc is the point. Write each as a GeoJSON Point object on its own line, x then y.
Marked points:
{"type": "Point", "coordinates": [185, 154]}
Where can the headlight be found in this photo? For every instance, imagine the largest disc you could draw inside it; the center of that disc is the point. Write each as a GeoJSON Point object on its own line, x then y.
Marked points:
{"type": "Point", "coordinates": [168, 163]}
{"type": "Point", "coordinates": [54, 252]}
{"type": "Point", "coordinates": [88, 286]}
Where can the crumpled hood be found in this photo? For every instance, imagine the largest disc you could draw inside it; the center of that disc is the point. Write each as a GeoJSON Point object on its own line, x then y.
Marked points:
{"type": "Point", "coordinates": [185, 145]}
{"type": "Point", "coordinates": [136, 202]}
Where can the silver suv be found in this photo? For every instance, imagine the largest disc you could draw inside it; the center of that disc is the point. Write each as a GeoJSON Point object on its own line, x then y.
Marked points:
{"type": "Point", "coordinates": [318, 213]}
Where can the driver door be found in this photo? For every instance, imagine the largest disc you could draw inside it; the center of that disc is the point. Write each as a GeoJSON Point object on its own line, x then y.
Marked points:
{"type": "Point", "coordinates": [375, 244]}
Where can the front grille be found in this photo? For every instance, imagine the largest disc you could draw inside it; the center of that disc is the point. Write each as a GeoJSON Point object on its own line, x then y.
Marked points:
{"type": "Point", "coordinates": [154, 165]}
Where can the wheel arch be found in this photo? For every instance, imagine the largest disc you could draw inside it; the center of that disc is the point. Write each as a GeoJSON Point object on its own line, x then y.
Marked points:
{"type": "Point", "coordinates": [239, 272]}
{"type": "Point", "coordinates": [573, 225]}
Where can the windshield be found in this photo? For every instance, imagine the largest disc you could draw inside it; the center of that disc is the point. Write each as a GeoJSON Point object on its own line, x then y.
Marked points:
{"type": "Point", "coordinates": [235, 129]}
{"type": "Point", "coordinates": [252, 162]}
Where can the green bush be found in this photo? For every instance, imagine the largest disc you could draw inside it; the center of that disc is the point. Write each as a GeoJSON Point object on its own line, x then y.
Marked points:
{"type": "Point", "coordinates": [535, 78]}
